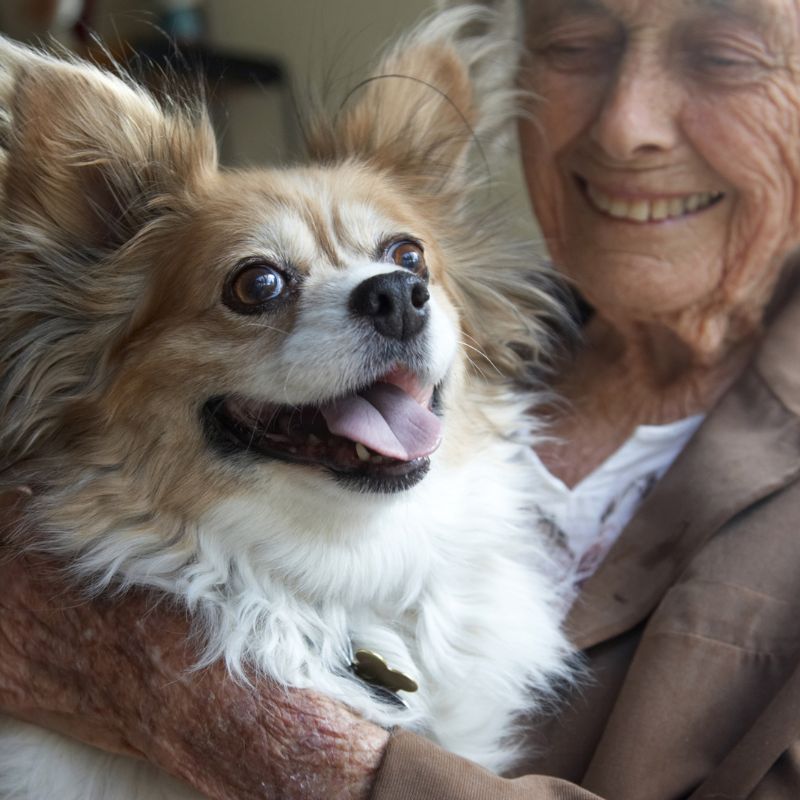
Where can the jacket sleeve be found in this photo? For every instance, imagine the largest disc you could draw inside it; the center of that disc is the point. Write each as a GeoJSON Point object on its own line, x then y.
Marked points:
{"type": "Point", "coordinates": [415, 769]}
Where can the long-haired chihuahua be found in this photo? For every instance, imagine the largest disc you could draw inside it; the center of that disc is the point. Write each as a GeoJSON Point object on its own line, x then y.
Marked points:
{"type": "Point", "coordinates": [290, 397]}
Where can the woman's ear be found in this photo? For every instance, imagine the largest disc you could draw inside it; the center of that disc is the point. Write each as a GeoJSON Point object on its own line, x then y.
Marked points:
{"type": "Point", "coordinates": [439, 100]}
{"type": "Point", "coordinates": [85, 155]}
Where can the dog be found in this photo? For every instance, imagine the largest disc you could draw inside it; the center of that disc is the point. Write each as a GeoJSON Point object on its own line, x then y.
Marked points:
{"type": "Point", "coordinates": [293, 398]}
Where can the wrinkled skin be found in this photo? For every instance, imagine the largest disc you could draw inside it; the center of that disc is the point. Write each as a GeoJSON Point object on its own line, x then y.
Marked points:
{"type": "Point", "coordinates": [129, 688]}
{"type": "Point", "coordinates": [663, 100]}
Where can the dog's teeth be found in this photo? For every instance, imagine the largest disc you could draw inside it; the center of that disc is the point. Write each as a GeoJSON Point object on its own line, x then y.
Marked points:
{"type": "Point", "coordinates": [362, 452]}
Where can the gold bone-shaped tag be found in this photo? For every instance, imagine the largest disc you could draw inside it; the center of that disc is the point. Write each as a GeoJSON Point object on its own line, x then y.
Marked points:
{"type": "Point", "coordinates": [372, 668]}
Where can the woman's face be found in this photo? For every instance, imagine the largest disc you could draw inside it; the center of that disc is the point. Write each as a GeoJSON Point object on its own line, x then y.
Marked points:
{"type": "Point", "coordinates": [663, 151]}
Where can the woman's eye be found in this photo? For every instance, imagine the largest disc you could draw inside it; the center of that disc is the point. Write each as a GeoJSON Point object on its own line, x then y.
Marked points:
{"type": "Point", "coordinates": [580, 55]}
{"type": "Point", "coordinates": [408, 255]}
{"type": "Point", "coordinates": [717, 60]}
{"type": "Point", "coordinates": [253, 287]}
{"type": "Point", "coordinates": [710, 59]}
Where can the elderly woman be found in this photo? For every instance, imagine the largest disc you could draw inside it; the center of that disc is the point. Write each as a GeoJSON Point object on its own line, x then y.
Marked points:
{"type": "Point", "coordinates": [663, 161]}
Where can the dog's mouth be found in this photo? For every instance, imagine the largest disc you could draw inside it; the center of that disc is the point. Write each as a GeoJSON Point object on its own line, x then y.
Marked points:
{"type": "Point", "coordinates": [376, 439]}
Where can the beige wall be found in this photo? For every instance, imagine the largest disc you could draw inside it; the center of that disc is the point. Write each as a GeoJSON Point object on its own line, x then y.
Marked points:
{"type": "Point", "coordinates": [313, 36]}
{"type": "Point", "coordinates": [320, 43]}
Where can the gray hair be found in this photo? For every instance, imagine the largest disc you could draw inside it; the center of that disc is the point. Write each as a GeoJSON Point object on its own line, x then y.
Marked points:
{"type": "Point", "coordinates": [510, 16]}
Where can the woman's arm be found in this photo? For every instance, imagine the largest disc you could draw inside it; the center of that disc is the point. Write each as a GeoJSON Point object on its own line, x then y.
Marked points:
{"type": "Point", "coordinates": [116, 673]}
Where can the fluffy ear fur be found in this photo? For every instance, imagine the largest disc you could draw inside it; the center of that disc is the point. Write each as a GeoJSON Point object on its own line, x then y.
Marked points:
{"type": "Point", "coordinates": [89, 165]}
{"type": "Point", "coordinates": [86, 153]}
{"type": "Point", "coordinates": [440, 99]}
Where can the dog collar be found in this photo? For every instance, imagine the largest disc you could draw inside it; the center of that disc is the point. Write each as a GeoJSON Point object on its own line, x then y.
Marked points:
{"type": "Point", "coordinates": [384, 681]}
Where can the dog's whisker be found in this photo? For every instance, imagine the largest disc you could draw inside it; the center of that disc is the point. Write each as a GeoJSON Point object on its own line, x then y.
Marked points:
{"type": "Point", "coordinates": [288, 379]}
{"type": "Point", "coordinates": [254, 431]}
{"type": "Point", "coordinates": [483, 355]}
{"type": "Point", "coordinates": [476, 344]}
{"type": "Point", "coordinates": [218, 405]}
{"type": "Point", "coordinates": [266, 326]}
{"type": "Point", "coordinates": [465, 335]}
{"type": "Point", "coordinates": [475, 365]}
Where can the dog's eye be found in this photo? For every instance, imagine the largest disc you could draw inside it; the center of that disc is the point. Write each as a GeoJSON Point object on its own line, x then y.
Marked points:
{"type": "Point", "coordinates": [253, 287]}
{"type": "Point", "coordinates": [408, 255]}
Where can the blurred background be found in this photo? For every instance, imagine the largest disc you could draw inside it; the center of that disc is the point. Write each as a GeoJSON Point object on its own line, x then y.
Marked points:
{"type": "Point", "coordinates": [256, 56]}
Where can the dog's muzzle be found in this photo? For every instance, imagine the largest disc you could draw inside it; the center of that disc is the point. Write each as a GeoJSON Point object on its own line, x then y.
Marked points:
{"type": "Point", "coordinates": [377, 437]}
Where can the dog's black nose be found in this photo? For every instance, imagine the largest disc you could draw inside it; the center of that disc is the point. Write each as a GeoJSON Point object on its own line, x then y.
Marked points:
{"type": "Point", "coordinates": [396, 302]}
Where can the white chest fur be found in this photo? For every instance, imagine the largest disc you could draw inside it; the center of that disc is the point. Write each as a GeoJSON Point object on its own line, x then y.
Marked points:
{"type": "Point", "coordinates": [448, 582]}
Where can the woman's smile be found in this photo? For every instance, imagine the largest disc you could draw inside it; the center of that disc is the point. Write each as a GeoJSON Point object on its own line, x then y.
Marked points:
{"type": "Point", "coordinates": [646, 207]}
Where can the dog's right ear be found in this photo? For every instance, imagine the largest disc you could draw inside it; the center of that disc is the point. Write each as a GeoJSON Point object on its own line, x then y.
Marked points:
{"type": "Point", "coordinates": [440, 101]}
{"type": "Point", "coordinates": [86, 156]}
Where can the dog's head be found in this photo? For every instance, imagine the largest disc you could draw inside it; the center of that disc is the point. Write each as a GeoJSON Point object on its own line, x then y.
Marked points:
{"type": "Point", "coordinates": [201, 330]}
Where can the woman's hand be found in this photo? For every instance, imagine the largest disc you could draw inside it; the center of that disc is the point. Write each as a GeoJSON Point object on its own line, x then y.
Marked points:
{"type": "Point", "coordinates": [116, 673]}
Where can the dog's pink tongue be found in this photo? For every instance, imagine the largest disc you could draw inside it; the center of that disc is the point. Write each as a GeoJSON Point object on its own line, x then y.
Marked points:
{"type": "Point", "coordinates": [387, 420]}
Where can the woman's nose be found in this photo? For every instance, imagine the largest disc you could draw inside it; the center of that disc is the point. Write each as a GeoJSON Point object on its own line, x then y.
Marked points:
{"type": "Point", "coordinates": [638, 115]}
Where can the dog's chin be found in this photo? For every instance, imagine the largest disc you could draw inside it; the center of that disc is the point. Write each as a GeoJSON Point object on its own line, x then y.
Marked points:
{"type": "Point", "coordinates": [238, 427]}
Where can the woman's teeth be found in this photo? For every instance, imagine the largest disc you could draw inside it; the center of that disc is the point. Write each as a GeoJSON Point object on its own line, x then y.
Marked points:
{"type": "Point", "coordinates": [651, 210]}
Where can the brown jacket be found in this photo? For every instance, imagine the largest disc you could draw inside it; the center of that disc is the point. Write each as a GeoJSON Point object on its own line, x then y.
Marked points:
{"type": "Point", "coordinates": [691, 629]}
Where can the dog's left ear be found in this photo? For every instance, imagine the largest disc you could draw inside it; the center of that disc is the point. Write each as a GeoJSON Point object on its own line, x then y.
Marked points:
{"type": "Point", "coordinates": [88, 163]}
{"type": "Point", "coordinates": [86, 156]}
{"type": "Point", "coordinates": [441, 100]}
